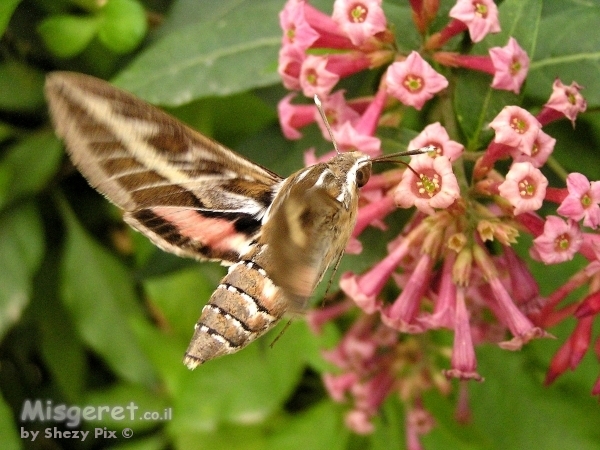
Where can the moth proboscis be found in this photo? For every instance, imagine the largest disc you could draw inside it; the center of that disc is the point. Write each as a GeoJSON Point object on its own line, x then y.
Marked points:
{"type": "Point", "coordinates": [195, 198]}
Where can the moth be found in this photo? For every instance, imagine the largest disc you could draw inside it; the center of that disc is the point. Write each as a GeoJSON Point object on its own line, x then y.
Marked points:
{"type": "Point", "coordinates": [195, 198]}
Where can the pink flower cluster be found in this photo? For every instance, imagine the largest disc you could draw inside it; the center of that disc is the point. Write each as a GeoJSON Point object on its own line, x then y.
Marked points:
{"type": "Point", "coordinates": [441, 265]}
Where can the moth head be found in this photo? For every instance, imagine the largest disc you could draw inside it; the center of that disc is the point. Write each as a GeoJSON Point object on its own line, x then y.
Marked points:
{"type": "Point", "coordinates": [351, 168]}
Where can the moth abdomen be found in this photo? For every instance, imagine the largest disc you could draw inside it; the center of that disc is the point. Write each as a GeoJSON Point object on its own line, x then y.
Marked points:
{"type": "Point", "coordinates": [244, 306]}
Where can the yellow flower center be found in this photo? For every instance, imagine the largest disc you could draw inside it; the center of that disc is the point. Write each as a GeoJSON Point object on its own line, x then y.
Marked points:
{"type": "Point", "coordinates": [518, 124]}
{"type": "Point", "coordinates": [358, 13]}
{"type": "Point", "coordinates": [526, 189]}
{"type": "Point", "coordinates": [428, 186]}
{"type": "Point", "coordinates": [480, 9]}
{"type": "Point", "coordinates": [413, 83]}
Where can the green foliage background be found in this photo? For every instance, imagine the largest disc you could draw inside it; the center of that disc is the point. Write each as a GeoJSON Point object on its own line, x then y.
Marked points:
{"type": "Point", "coordinates": [87, 319]}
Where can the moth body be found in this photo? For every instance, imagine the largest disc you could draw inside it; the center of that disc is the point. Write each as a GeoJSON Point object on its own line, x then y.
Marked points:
{"type": "Point", "coordinates": [195, 198]}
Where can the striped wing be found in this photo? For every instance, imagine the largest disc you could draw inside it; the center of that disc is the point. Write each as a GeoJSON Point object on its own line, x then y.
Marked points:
{"type": "Point", "coordinates": [190, 195]}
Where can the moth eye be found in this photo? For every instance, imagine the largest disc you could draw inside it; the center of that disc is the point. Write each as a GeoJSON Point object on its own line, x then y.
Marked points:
{"type": "Point", "coordinates": [362, 176]}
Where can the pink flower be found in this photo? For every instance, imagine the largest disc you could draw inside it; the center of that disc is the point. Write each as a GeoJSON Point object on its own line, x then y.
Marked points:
{"type": "Point", "coordinates": [315, 78]}
{"type": "Point", "coordinates": [493, 153]}
{"type": "Point", "coordinates": [480, 16]}
{"type": "Point", "coordinates": [290, 63]}
{"type": "Point", "coordinates": [511, 64]}
{"type": "Point", "coordinates": [296, 30]}
{"type": "Point", "coordinates": [520, 326]}
{"type": "Point", "coordinates": [516, 127]}
{"type": "Point", "coordinates": [589, 307]}
{"type": "Point", "coordinates": [436, 135]}
{"type": "Point", "coordinates": [359, 422]}
{"type": "Point", "coordinates": [373, 214]}
{"type": "Point", "coordinates": [318, 317]}
{"type": "Point", "coordinates": [338, 385]}
{"type": "Point", "coordinates": [401, 314]}
{"type": "Point", "coordinates": [524, 187]}
{"type": "Point", "coordinates": [523, 285]}
{"type": "Point", "coordinates": [543, 146]}
{"type": "Point", "coordinates": [349, 139]}
{"type": "Point", "coordinates": [435, 187]}
{"type": "Point", "coordinates": [337, 112]}
{"type": "Point", "coordinates": [367, 124]}
{"type": "Point", "coordinates": [444, 308]}
{"type": "Point", "coordinates": [582, 201]}
{"type": "Point", "coordinates": [359, 19]}
{"type": "Point", "coordinates": [559, 241]}
{"type": "Point", "coordinates": [464, 363]}
{"type": "Point", "coordinates": [504, 308]}
{"type": "Point", "coordinates": [565, 101]}
{"type": "Point", "coordinates": [418, 422]}
{"type": "Point", "coordinates": [292, 117]}
{"type": "Point", "coordinates": [413, 81]}
{"type": "Point", "coordinates": [569, 355]}
{"type": "Point", "coordinates": [365, 288]}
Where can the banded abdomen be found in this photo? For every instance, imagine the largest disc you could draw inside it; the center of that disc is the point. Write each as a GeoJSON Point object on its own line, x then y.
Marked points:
{"type": "Point", "coordinates": [245, 305]}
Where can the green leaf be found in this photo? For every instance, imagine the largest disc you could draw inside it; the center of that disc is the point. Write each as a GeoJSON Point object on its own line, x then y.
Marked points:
{"type": "Point", "coordinates": [21, 87]}
{"type": "Point", "coordinates": [153, 442]}
{"type": "Point", "coordinates": [234, 54]}
{"type": "Point", "coordinates": [123, 25]}
{"type": "Point", "coordinates": [6, 132]}
{"type": "Point", "coordinates": [63, 351]}
{"type": "Point", "coordinates": [179, 297]}
{"type": "Point", "coordinates": [99, 294]}
{"type": "Point", "coordinates": [528, 407]}
{"type": "Point", "coordinates": [399, 17]}
{"type": "Point", "coordinates": [21, 251]}
{"type": "Point", "coordinates": [243, 388]}
{"type": "Point", "coordinates": [476, 103]}
{"type": "Point", "coordinates": [7, 7]}
{"type": "Point", "coordinates": [8, 436]}
{"type": "Point", "coordinates": [67, 36]}
{"type": "Point", "coordinates": [568, 48]}
{"type": "Point", "coordinates": [138, 404]}
{"type": "Point", "coordinates": [320, 427]}
{"type": "Point", "coordinates": [225, 437]}
{"type": "Point", "coordinates": [28, 166]}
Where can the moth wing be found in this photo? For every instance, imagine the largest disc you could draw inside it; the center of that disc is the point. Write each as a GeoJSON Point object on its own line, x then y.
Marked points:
{"type": "Point", "coordinates": [189, 194]}
{"type": "Point", "coordinates": [304, 235]}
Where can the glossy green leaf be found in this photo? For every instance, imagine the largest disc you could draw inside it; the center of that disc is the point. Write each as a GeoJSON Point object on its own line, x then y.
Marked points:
{"type": "Point", "coordinates": [223, 57]}
{"type": "Point", "coordinates": [21, 87]}
{"type": "Point", "coordinates": [99, 294]}
{"type": "Point", "coordinates": [7, 7]}
{"type": "Point", "coordinates": [67, 36]}
{"type": "Point", "coordinates": [123, 25]}
{"type": "Point", "coordinates": [28, 166]}
{"type": "Point", "coordinates": [568, 47]}
{"type": "Point", "coordinates": [21, 251]}
{"type": "Point", "coordinates": [476, 103]}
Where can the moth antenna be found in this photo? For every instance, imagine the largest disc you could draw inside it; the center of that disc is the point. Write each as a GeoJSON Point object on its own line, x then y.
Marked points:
{"type": "Point", "coordinates": [326, 122]}
{"type": "Point", "coordinates": [393, 156]}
